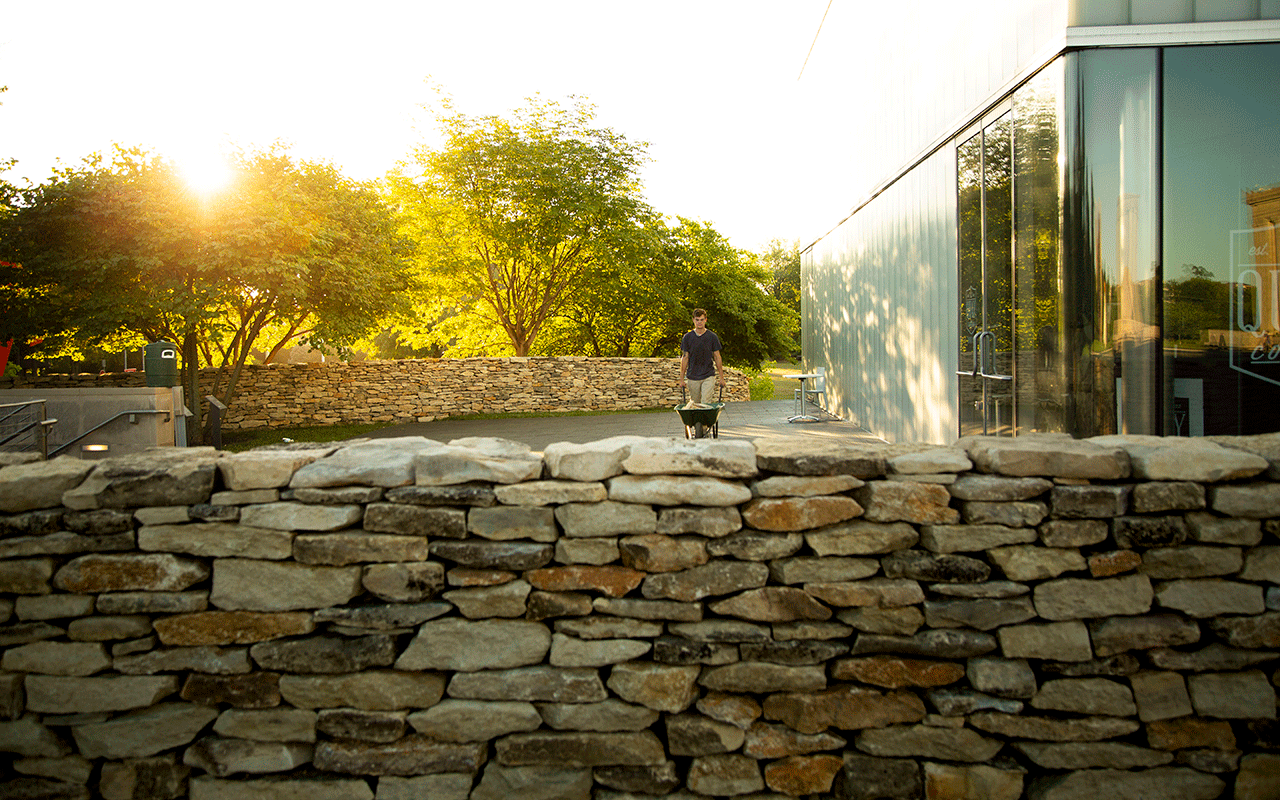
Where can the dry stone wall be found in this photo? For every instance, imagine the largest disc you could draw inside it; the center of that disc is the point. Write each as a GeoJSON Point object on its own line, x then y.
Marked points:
{"type": "Point", "coordinates": [393, 619]}
{"type": "Point", "coordinates": [422, 390]}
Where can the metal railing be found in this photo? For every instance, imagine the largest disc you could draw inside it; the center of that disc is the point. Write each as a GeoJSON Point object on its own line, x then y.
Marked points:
{"type": "Point", "coordinates": [107, 422]}
{"type": "Point", "coordinates": [11, 430]}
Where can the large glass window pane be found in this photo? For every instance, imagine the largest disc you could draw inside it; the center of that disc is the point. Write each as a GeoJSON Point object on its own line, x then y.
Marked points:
{"type": "Point", "coordinates": [1110, 243]}
{"type": "Point", "coordinates": [1041, 385]}
{"type": "Point", "coordinates": [1222, 204]}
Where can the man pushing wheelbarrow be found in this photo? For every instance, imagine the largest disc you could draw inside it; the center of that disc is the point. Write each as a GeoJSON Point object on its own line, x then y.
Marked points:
{"type": "Point", "coordinates": [701, 369]}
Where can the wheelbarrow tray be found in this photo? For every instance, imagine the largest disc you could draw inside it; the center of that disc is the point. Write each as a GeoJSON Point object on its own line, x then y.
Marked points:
{"type": "Point", "coordinates": [708, 417]}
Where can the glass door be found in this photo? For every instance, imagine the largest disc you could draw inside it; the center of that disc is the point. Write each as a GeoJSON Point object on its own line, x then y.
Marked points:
{"type": "Point", "coordinates": [986, 365]}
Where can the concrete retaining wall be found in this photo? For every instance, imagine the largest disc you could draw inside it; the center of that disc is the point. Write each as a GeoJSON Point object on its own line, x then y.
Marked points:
{"type": "Point", "coordinates": [422, 390]}
{"type": "Point", "coordinates": [1039, 618]}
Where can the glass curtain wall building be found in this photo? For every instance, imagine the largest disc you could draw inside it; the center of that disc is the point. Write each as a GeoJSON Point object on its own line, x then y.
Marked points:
{"type": "Point", "coordinates": [1088, 247]}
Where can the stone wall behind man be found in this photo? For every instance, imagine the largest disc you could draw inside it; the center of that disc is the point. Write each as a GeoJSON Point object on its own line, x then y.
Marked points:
{"type": "Point", "coordinates": [422, 390]}
{"type": "Point", "coordinates": [1036, 618]}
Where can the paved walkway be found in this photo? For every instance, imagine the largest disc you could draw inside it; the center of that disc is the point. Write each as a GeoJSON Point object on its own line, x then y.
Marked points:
{"type": "Point", "coordinates": [754, 420]}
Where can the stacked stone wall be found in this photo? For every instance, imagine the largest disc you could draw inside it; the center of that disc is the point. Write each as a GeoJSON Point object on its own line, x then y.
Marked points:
{"type": "Point", "coordinates": [635, 618]}
{"type": "Point", "coordinates": [422, 390]}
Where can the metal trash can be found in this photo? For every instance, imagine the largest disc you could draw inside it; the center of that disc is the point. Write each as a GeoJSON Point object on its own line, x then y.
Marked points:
{"type": "Point", "coordinates": [160, 363]}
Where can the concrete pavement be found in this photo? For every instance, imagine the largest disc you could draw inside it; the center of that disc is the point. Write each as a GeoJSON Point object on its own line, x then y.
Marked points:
{"type": "Point", "coordinates": [751, 420]}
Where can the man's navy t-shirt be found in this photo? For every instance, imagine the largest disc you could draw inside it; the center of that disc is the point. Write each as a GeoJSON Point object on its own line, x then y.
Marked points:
{"type": "Point", "coordinates": [702, 363]}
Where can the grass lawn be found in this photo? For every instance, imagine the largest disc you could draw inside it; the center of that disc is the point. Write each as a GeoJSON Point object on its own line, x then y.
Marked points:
{"type": "Point", "coordinates": [783, 388]}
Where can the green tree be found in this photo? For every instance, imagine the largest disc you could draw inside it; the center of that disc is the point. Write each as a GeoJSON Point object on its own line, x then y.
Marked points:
{"type": "Point", "coordinates": [124, 248]}
{"type": "Point", "coordinates": [781, 262]}
{"type": "Point", "coordinates": [510, 213]}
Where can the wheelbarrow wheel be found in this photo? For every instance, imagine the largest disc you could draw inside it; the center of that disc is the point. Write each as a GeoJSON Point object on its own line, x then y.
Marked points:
{"type": "Point", "coordinates": [699, 430]}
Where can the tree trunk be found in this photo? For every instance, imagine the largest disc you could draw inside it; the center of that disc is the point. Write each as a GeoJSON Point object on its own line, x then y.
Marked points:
{"type": "Point", "coordinates": [191, 389]}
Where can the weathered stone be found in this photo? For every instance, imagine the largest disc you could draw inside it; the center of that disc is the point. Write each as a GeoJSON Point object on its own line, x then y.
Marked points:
{"type": "Point", "coordinates": [1086, 696]}
{"type": "Point", "coordinates": [1217, 657]}
{"type": "Point", "coordinates": [587, 551]}
{"type": "Point", "coordinates": [611, 581]}
{"type": "Point", "coordinates": [951, 744]}
{"type": "Point", "coordinates": [412, 755]}
{"type": "Point", "coordinates": [842, 707]}
{"type": "Point", "coordinates": [505, 523]}
{"type": "Point", "coordinates": [1155, 497]}
{"type": "Point", "coordinates": [268, 725]}
{"type": "Point", "coordinates": [711, 457]}
{"type": "Point", "coordinates": [1216, 761]}
{"type": "Point", "coordinates": [1077, 598]}
{"type": "Point", "coordinates": [1076, 729]}
{"type": "Point", "coordinates": [75, 695]}
{"type": "Point", "coordinates": [207, 788]}
{"type": "Point", "coordinates": [749, 545]}
{"type": "Point", "coordinates": [495, 555]}
{"type": "Point", "coordinates": [1221, 695]}
{"type": "Point", "coordinates": [325, 654]}
{"type": "Point", "coordinates": [1187, 732]}
{"type": "Point", "coordinates": [1211, 529]}
{"type": "Point", "coordinates": [772, 604]}
{"type": "Point", "coordinates": [376, 462]}
{"type": "Point", "coordinates": [959, 702]}
{"type": "Point", "coordinates": [1119, 665]}
{"type": "Point", "coordinates": [292, 516]}
{"type": "Point", "coordinates": [902, 621]}
{"type": "Point", "coordinates": [868, 778]}
{"type": "Point", "coordinates": [222, 757]}
{"type": "Point", "coordinates": [143, 733]}
{"type": "Point", "coordinates": [795, 486]}
{"type": "Point", "coordinates": [691, 734]}
{"type": "Point", "coordinates": [1089, 502]}
{"type": "Point", "coordinates": [373, 690]}
{"type": "Point", "coordinates": [40, 484]}
{"type": "Point", "coordinates": [508, 599]}
{"type": "Point", "coordinates": [649, 779]}
{"type": "Point", "coordinates": [383, 618]}
{"type": "Point", "coordinates": [1047, 455]}
{"type": "Point", "coordinates": [474, 720]}
{"type": "Point", "coordinates": [861, 537]}
{"type": "Point", "coordinates": [1007, 678]}
{"type": "Point", "coordinates": [362, 725]}
{"type": "Point", "coordinates": [972, 537]}
{"type": "Point", "coordinates": [532, 684]}
{"type": "Point", "coordinates": [264, 469]}
{"type": "Point", "coordinates": [489, 460]}
{"type": "Point", "coordinates": [28, 738]}
{"type": "Point", "coordinates": [1073, 532]}
{"type": "Point", "coordinates": [669, 689]}
{"type": "Point", "coordinates": [1260, 564]}
{"type": "Point", "coordinates": [153, 602]}
{"type": "Point", "coordinates": [799, 513]}
{"type": "Point", "coordinates": [810, 629]}
{"type": "Point", "coordinates": [250, 585]}
{"type": "Point", "coordinates": [895, 673]}
{"type": "Point", "coordinates": [1116, 562]}
{"type": "Point", "coordinates": [721, 630]}
{"type": "Point", "coordinates": [671, 490]}
{"type": "Point", "coordinates": [467, 646]}
{"type": "Point", "coordinates": [345, 548]}
{"type": "Point", "coordinates": [1250, 501]}
{"type": "Point", "coordinates": [52, 606]}
{"type": "Point", "coordinates": [410, 582]}
{"type": "Point", "coordinates": [223, 509]}
{"type": "Point", "coordinates": [1210, 597]}
{"type": "Point", "coordinates": [1190, 561]}
{"type": "Point", "coordinates": [1062, 641]}
{"type": "Point", "coordinates": [1017, 514]}
{"type": "Point", "coordinates": [657, 553]}
{"type": "Point", "coordinates": [546, 493]}
{"type": "Point", "coordinates": [63, 543]}
{"type": "Point", "coordinates": [803, 775]}
{"type": "Point", "coordinates": [1111, 636]}
{"type": "Point", "coordinates": [216, 540]}
{"type": "Point", "coordinates": [1258, 777]}
{"type": "Point", "coordinates": [764, 741]}
{"type": "Point", "coordinates": [108, 628]}
{"type": "Point", "coordinates": [982, 614]}
{"type": "Point", "coordinates": [793, 455]}
{"type": "Point", "coordinates": [710, 580]}
{"type": "Point", "coordinates": [607, 715]}
{"type": "Point", "coordinates": [134, 778]}
{"type": "Point", "coordinates": [1148, 531]}
{"type": "Point", "coordinates": [28, 632]}
{"type": "Point", "coordinates": [882, 592]}
{"type": "Point", "coordinates": [606, 518]}
{"type": "Point", "coordinates": [533, 783]}
{"type": "Point", "coordinates": [567, 651]}
{"type": "Point", "coordinates": [337, 496]}
{"type": "Point", "coordinates": [474, 494]}
{"type": "Point", "coordinates": [675, 650]}
{"type": "Point", "coordinates": [1092, 755]}
{"type": "Point", "coordinates": [1185, 784]}
{"type": "Point", "coordinates": [928, 462]}
{"type": "Point", "coordinates": [1029, 562]}
{"type": "Point", "coordinates": [972, 782]}
{"type": "Point", "coordinates": [832, 569]}
{"type": "Point", "coordinates": [906, 501]}
{"type": "Point", "coordinates": [797, 652]}
{"type": "Point", "coordinates": [415, 520]}
{"type": "Point", "coordinates": [1254, 632]}
{"type": "Point", "coordinates": [710, 522]}
{"type": "Point", "coordinates": [254, 690]}
{"type": "Point", "coordinates": [648, 609]}
{"type": "Point", "coordinates": [759, 677]}
{"type": "Point", "coordinates": [1160, 695]}
{"type": "Point", "coordinates": [208, 660]}
{"type": "Point", "coordinates": [724, 775]}
{"type": "Point", "coordinates": [580, 749]}
{"type": "Point", "coordinates": [123, 573]}
{"type": "Point", "coordinates": [609, 628]}
{"type": "Point", "coordinates": [593, 461]}
{"type": "Point", "coordinates": [922, 566]}
{"type": "Point", "coordinates": [180, 476]}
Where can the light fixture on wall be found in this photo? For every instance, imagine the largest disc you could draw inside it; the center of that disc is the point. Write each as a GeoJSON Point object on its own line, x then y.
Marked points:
{"type": "Point", "coordinates": [94, 451]}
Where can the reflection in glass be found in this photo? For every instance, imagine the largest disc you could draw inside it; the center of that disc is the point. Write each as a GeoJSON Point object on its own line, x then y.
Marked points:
{"type": "Point", "coordinates": [1222, 204]}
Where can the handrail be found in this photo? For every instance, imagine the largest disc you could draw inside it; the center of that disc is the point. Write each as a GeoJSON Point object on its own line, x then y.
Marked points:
{"type": "Point", "coordinates": [104, 423]}
{"type": "Point", "coordinates": [17, 407]}
{"type": "Point", "coordinates": [42, 422]}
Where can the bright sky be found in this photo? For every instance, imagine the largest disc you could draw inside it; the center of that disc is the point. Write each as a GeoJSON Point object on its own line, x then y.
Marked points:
{"type": "Point", "coordinates": [736, 140]}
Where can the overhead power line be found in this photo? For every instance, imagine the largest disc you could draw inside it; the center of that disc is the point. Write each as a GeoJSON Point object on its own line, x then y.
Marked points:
{"type": "Point", "coordinates": [815, 40]}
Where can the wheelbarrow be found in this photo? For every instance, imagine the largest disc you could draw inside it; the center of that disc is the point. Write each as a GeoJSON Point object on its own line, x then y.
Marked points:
{"type": "Point", "coordinates": [699, 423]}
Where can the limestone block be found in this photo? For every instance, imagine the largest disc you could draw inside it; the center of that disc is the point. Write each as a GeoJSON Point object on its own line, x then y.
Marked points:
{"type": "Point", "coordinates": [1190, 561]}
{"type": "Point", "coordinates": [373, 690]}
{"type": "Point", "coordinates": [264, 469]}
{"type": "Point", "coordinates": [959, 702]}
{"type": "Point", "coordinates": [27, 576]}
{"type": "Point", "coordinates": [40, 484]}
{"type": "Point", "coordinates": [123, 573]}
{"type": "Point", "coordinates": [447, 786]}
{"type": "Point", "coordinates": [905, 501]}
{"type": "Point", "coordinates": [1067, 533]}
{"type": "Point", "coordinates": [1116, 635]}
{"type": "Point", "coordinates": [803, 775]}
{"type": "Point", "coordinates": [267, 725]}
{"type": "Point", "coordinates": [153, 602]}
{"type": "Point", "coordinates": [475, 720]}
{"type": "Point", "coordinates": [606, 518]}
{"type": "Point", "coordinates": [217, 540]}
{"type": "Point", "coordinates": [450, 465]}
{"type": "Point", "coordinates": [1047, 455]}
{"type": "Point", "coordinates": [505, 523]}
{"type": "Point", "coordinates": [1262, 564]}
{"type": "Point", "coordinates": [554, 492]}
{"type": "Point", "coordinates": [1086, 696]}
{"type": "Point", "coordinates": [1076, 598]}
{"type": "Point", "coordinates": [28, 738]}
{"type": "Point", "coordinates": [950, 744]}
{"type": "Point", "coordinates": [1061, 641]}
{"type": "Point", "coordinates": [669, 490]}
{"type": "Point", "coordinates": [799, 513]}
{"type": "Point", "coordinates": [1116, 562]}
{"type": "Point", "coordinates": [1212, 529]}
{"type": "Point", "coordinates": [467, 646]}
{"type": "Point", "coordinates": [772, 604]}
{"type": "Point", "coordinates": [990, 590]}
{"type": "Point", "coordinates": [798, 486]}
{"type": "Point", "coordinates": [1258, 777]}
{"type": "Point", "coordinates": [1185, 784]}
{"type": "Point", "coordinates": [208, 788]}
{"type": "Point", "coordinates": [764, 741]}
{"type": "Point", "coordinates": [473, 494]}
{"type": "Point", "coordinates": [177, 476]}
{"type": "Point", "coordinates": [344, 548]}
{"type": "Point", "coordinates": [1016, 514]}
{"type": "Point", "coordinates": [758, 677]}
{"type": "Point", "coordinates": [710, 522]}
{"type": "Point", "coordinates": [325, 654]}
{"type": "Point", "coordinates": [410, 582]}
{"type": "Point", "coordinates": [293, 516]}
{"type": "Point", "coordinates": [611, 581]}
{"type": "Point", "coordinates": [1075, 729]}
{"type": "Point", "coordinates": [798, 455]}
{"type": "Point", "coordinates": [52, 606]}
{"type": "Point", "coordinates": [1030, 562]}
{"type": "Point", "coordinates": [1089, 501]}
{"type": "Point", "coordinates": [903, 621]}
{"type": "Point", "coordinates": [971, 538]}
{"type": "Point", "coordinates": [230, 627]}
{"type": "Point", "coordinates": [658, 553]}
{"type": "Point", "coordinates": [416, 520]}
{"type": "Point", "coordinates": [1148, 531]}
{"type": "Point", "coordinates": [648, 609]}
{"type": "Point", "coordinates": [1002, 677]}
{"type": "Point", "coordinates": [861, 537]}
{"type": "Point", "coordinates": [412, 755]}
{"type": "Point", "coordinates": [879, 592]}
{"type": "Point", "coordinates": [690, 734]}
{"type": "Point", "coordinates": [71, 769]}
{"type": "Point", "coordinates": [1160, 695]}
{"type": "Point", "coordinates": [222, 757]}
{"type": "Point", "coordinates": [1262, 630]}
{"type": "Point", "coordinates": [532, 684]}
{"type": "Point", "coordinates": [48, 694]}
{"type": "Point", "coordinates": [580, 749]}
{"type": "Point", "coordinates": [1223, 695]}
{"type": "Point", "coordinates": [726, 774]}
{"type": "Point", "coordinates": [63, 543]}
{"type": "Point", "coordinates": [588, 551]}
{"type": "Point", "coordinates": [1155, 497]}
{"type": "Point", "coordinates": [1251, 501]}
{"type": "Point", "coordinates": [251, 585]}
{"type": "Point", "coordinates": [923, 566]}
{"type": "Point", "coordinates": [892, 672]}
{"type": "Point", "coordinates": [709, 457]}
{"type": "Point", "coordinates": [505, 600]}
{"type": "Point", "coordinates": [375, 462]}
{"type": "Point", "coordinates": [1217, 657]}
{"type": "Point", "coordinates": [158, 777]}
{"type": "Point", "coordinates": [1210, 597]}
{"type": "Point", "coordinates": [391, 617]}
{"type": "Point", "coordinates": [143, 733]}
{"type": "Point", "coordinates": [1092, 755]}
{"type": "Point", "coordinates": [929, 462]}
{"type": "Point", "coordinates": [57, 658]}
{"type": "Point", "coordinates": [844, 707]}
{"type": "Point", "coordinates": [664, 688]}
{"type": "Point", "coordinates": [972, 782]}
{"type": "Point", "coordinates": [533, 783]}
{"type": "Point", "coordinates": [593, 461]}
{"type": "Point", "coordinates": [609, 628]}
{"type": "Point", "coordinates": [607, 715]}
{"type": "Point", "coordinates": [710, 580]}
{"type": "Point", "coordinates": [868, 778]}
{"type": "Point", "coordinates": [361, 725]}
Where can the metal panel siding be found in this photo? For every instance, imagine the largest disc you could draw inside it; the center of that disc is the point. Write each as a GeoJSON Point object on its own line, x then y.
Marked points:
{"type": "Point", "coordinates": [879, 311]}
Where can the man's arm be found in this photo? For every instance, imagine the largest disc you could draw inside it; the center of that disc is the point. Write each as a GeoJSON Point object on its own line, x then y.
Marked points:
{"type": "Point", "coordinates": [719, 367]}
{"type": "Point", "coordinates": [684, 366]}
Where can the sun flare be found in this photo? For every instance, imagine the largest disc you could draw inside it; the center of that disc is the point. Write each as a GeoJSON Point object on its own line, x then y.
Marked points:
{"type": "Point", "coordinates": [206, 171]}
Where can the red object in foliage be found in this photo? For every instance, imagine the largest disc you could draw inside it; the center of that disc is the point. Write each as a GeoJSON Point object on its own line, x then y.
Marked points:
{"type": "Point", "coordinates": [4, 356]}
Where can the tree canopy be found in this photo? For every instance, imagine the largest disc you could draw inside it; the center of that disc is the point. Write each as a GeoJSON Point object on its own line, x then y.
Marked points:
{"type": "Point", "coordinates": [122, 248]}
